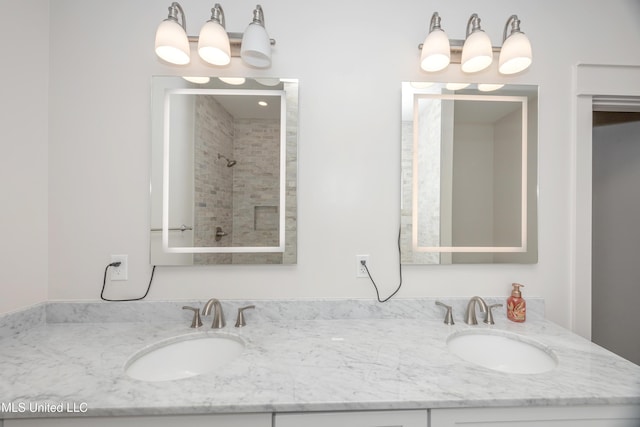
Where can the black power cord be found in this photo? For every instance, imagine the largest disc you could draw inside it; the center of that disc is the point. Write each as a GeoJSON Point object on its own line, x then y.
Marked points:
{"type": "Point", "coordinates": [364, 264]}
{"type": "Point", "coordinates": [104, 283]}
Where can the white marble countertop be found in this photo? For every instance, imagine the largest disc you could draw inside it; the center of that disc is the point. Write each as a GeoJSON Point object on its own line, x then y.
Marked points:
{"type": "Point", "coordinates": [319, 364]}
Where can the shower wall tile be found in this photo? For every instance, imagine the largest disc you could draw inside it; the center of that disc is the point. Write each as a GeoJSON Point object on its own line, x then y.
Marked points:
{"type": "Point", "coordinates": [213, 180]}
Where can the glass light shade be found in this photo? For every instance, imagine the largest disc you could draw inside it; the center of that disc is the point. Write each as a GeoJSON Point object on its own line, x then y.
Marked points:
{"type": "Point", "coordinates": [213, 44]}
{"type": "Point", "coordinates": [477, 53]}
{"type": "Point", "coordinates": [515, 55]}
{"type": "Point", "coordinates": [436, 51]}
{"type": "Point", "coordinates": [256, 46]}
{"type": "Point", "coordinates": [172, 43]}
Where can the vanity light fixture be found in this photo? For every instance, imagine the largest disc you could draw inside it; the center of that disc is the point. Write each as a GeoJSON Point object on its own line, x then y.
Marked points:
{"type": "Point", "coordinates": [215, 45]}
{"type": "Point", "coordinates": [436, 52]}
{"type": "Point", "coordinates": [515, 54]}
{"type": "Point", "coordinates": [475, 53]}
{"type": "Point", "coordinates": [172, 43]}
{"type": "Point", "coordinates": [256, 45]}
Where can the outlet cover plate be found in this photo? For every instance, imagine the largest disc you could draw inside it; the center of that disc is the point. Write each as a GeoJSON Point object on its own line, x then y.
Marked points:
{"type": "Point", "coordinates": [120, 272]}
{"type": "Point", "coordinates": [361, 272]}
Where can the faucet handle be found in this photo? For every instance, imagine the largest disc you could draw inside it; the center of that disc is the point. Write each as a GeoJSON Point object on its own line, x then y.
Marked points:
{"type": "Point", "coordinates": [448, 317]}
{"type": "Point", "coordinates": [240, 322]}
{"type": "Point", "coordinates": [196, 322]}
{"type": "Point", "coordinates": [489, 317]}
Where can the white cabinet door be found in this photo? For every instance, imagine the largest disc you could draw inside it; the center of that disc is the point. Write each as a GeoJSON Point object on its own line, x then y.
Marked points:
{"type": "Point", "coordinates": [231, 420]}
{"type": "Point", "coordinates": [354, 419]}
{"type": "Point", "coordinates": [571, 416]}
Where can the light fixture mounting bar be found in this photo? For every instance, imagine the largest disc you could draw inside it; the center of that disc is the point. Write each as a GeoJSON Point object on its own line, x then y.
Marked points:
{"type": "Point", "coordinates": [235, 40]}
{"type": "Point", "coordinates": [456, 50]}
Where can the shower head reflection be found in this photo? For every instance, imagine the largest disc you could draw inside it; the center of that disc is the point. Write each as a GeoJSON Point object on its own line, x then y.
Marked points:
{"type": "Point", "coordinates": [230, 163]}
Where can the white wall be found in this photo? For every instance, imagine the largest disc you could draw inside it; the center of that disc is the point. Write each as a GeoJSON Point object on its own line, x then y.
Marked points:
{"type": "Point", "coordinates": [23, 156]}
{"type": "Point", "coordinates": [350, 58]}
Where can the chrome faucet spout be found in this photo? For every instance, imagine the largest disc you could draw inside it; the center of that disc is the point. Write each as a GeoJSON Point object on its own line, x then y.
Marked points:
{"type": "Point", "coordinates": [470, 315]}
{"type": "Point", "coordinates": [218, 315]}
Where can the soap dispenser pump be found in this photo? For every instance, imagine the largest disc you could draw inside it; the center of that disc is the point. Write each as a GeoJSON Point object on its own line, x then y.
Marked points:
{"type": "Point", "coordinates": [516, 305]}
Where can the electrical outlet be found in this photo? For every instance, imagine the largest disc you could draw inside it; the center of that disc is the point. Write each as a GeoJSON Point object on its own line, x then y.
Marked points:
{"type": "Point", "coordinates": [361, 271]}
{"type": "Point", "coordinates": [120, 272]}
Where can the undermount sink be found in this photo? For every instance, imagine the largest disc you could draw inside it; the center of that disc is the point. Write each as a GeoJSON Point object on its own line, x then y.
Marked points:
{"type": "Point", "coordinates": [502, 351]}
{"type": "Point", "coordinates": [184, 357]}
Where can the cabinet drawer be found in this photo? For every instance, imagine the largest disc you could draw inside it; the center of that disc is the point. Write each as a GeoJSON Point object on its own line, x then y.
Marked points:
{"type": "Point", "coordinates": [230, 420]}
{"type": "Point", "coordinates": [570, 416]}
{"type": "Point", "coordinates": [354, 419]}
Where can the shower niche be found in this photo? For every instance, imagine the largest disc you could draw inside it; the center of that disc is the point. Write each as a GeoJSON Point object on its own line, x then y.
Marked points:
{"type": "Point", "coordinates": [224, 172]}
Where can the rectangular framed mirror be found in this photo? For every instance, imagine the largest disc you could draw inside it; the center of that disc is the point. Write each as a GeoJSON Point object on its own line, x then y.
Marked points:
{"type": "Point", "coordinates": [224, 172]}
{"type": "Point", "coordinates": [469, 174]}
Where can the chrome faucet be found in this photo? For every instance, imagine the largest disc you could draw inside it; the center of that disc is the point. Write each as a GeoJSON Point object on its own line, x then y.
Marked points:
{"type": "Point", "coordinates": [218, 315]}
{"type": "Point", "coordinates": [470, 315]}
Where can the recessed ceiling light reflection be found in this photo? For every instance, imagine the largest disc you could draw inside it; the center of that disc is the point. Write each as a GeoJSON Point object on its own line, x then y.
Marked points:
{"type": "Point", "coordinates": [197, 80]}
{"type": "Point", "coordinates": [457, 86]}
{"type": "Point", "coordinates": [233, 80]}
{"type": "Point", "coordinates": [262, 103]}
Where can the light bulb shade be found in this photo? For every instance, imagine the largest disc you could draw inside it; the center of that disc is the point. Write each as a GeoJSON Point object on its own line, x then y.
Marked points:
{"type": "Point", "coordinates": [515, 55]}
{"type": "Point", "coordinates": [213, 44]}
{"type": "Point", "coordinates": [256, 46]}
{"type": "Point", "coordinates": [436, 51]}
{"type": "Point", "coordinates": [172, 44]}
{"type": "Point", "coordinates": [477, 52]}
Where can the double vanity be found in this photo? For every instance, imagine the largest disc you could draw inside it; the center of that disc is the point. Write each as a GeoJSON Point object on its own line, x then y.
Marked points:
{"type": "Point", "coordinates": [305, 362]}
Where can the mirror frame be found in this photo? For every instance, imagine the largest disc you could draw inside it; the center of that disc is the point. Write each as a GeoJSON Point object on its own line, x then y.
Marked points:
{"type": "Point", "coordinates": [163, 87]}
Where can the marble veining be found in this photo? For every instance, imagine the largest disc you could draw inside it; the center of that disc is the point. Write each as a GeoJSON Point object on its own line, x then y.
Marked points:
{"type": "Point", "coordinates": [18, 321]}
{"type": "Point", "coordinates": [274, 310]}
{"type": "Point", "coordinates": [368, 359]}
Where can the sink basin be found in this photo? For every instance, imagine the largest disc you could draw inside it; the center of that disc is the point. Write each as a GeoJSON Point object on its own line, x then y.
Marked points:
{"type": "Point", "coordinates": [184, 357]}
{"type": "Point", "coordinates": [502, 351]}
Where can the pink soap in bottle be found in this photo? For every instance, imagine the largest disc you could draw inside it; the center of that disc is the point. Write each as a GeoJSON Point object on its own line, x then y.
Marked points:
{"type": "Point", "coordinates": [516, 305]}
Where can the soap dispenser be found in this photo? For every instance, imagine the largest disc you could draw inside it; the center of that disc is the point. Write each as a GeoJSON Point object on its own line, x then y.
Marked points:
{"type": "Point", "coordinates": [516, 305]}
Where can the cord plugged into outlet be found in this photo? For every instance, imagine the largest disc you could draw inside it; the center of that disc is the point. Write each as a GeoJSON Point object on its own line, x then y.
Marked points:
{"type": "Point", "coordinates": [362, 270]}
{"type": "Point", "coordinates": [119, 264]}
{"type": "Point", "coordinates": [361, 266]}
